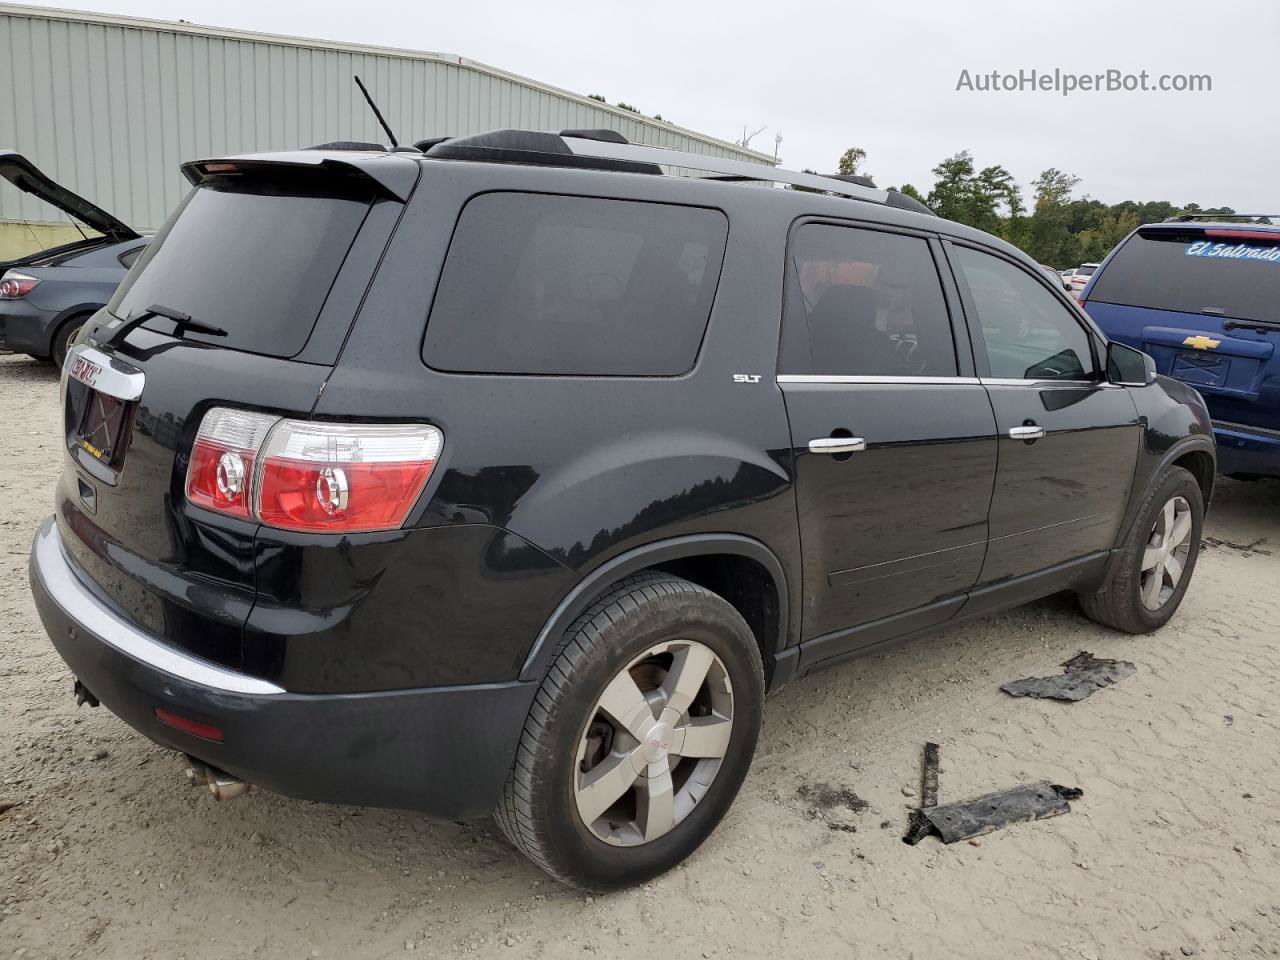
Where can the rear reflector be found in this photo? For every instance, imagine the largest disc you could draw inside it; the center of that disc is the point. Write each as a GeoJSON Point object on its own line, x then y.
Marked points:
{"type": "Point", "coordinates": [308, 476]}
{"type": "Point", "coordinates": [205, 731]}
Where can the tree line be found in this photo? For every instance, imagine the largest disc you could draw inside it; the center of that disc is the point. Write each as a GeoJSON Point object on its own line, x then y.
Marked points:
{"type": "Point", "coordinates": [1057, 229]}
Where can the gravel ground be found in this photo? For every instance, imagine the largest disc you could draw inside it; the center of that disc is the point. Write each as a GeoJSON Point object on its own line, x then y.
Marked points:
{"type": "Point", "coordinates": [1173, 851]}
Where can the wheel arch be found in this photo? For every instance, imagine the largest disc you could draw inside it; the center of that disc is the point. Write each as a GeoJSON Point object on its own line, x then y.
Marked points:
{"type": "Point", "coordinates": [1196, 454]}
{"type": "Point", "coordinates": [743, 571]}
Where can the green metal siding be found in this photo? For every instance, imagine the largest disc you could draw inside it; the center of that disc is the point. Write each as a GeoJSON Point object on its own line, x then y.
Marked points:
{"type": "Point", "coordinates": [110, 106]}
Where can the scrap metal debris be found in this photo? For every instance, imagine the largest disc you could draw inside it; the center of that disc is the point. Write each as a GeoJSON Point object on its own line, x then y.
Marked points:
{"type": "Point", "coordinates": [985, 814]}
{"type": "Point", "coordinates": [1083, 676]}
{"type": "Point", "coordinates": [973, 818]}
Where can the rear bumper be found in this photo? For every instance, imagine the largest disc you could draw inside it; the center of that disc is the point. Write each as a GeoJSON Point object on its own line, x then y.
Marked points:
{"type": "Point", "coordinates": [444, 751]}
{"type": "Point", "coordinates": [25, 327]}
{"type": "Point", "coordinates": [1243, 448]}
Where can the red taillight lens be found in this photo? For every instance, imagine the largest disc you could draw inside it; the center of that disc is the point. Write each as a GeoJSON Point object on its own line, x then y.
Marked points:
{"type": "Point", "coordinates": [15, 286]}
{"type": "Point", "coordinates": [220, 473]}
{"type": "Point", "coordinates": [338, 477]}
{"type": "Point", "coordinates": [311, 477]}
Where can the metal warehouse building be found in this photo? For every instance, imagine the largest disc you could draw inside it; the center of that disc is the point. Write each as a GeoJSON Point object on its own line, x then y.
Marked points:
{"type": "Point", "coordinates": [110, 106]}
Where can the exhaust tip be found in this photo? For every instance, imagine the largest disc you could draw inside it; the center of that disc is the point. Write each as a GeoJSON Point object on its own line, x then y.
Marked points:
{"type": "Point", "coordinates": [221, 785]}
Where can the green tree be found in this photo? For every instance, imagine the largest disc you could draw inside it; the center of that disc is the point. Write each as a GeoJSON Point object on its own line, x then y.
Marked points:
{"type": "Point", "coordinates": [967, 195]}
{"type": "Point", "coordinates": [850, 161]}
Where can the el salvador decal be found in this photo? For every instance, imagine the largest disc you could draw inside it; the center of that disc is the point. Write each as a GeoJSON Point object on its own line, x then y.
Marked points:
{"type": "Point", "coordinates": [1233, 251]}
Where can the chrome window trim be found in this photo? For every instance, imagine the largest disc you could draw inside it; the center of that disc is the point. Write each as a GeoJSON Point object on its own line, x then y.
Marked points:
{"type": "Point", "coordinates": [112, 377]}
{"type": "Point", "coordinates": [837, 378]}
{"type": "Point", "coordinates": [946, 381]}
{"type": "Point", "coordinates": [92, 616]}
{"type": "Point", "coordinates": [1040, 384]}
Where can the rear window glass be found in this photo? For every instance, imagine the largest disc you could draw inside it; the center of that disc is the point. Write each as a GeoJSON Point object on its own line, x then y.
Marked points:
{"type": "Point", "coordinates": [1191, 272]}
{"type": "Point", "coordinates": [542, 284]}
{"type": "Point", "coordinates": [256, 262]}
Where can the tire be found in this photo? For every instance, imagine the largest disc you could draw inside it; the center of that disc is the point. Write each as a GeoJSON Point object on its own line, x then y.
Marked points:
{"type": "Point", "coordinates": [1125, 602]}
{"type": "Point", "coordinates": [62, 337]}
{"type": "Point", "coordinates": [569, 739]}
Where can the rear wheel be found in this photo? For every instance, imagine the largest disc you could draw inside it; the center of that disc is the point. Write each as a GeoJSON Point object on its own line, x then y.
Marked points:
{"type": "Point", "coordinates": [1157, 559]}
{"type": "Point", "coordinates": [62, 338]}
{"type": "Point", "coordinates": [639, 737]}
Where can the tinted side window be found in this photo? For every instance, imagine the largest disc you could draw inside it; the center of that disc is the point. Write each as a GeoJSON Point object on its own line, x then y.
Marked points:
{"type": "Point", "coordinates": [864, 303]}
{"type": "Point", "coordinates": [126, 259]}
{"type": "Point", "coordinates": [1029, 333]}
{"type": "Point", "coordinates": [540, 284]}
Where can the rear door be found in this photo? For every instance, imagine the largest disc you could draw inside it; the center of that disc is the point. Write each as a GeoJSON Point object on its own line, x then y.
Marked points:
{"type": "Point", "coordinates": [1068, 439]}
{"type": "Point", "coordinates": [1205, 303]}
{"type": "Point", "coordinates": [893, 436]}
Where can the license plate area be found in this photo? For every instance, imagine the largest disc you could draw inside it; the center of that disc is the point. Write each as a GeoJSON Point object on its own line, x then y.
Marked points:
{"type": "Point", "coordinates": [1201, 370]}
{"type": "Point", "coordinates": [102, 431]}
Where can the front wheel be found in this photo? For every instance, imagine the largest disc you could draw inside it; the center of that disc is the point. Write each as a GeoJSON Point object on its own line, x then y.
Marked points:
{"type": "Point", "coordinates": [639, 737]}
{"type": "Point", "coordinates": [1156, 560]}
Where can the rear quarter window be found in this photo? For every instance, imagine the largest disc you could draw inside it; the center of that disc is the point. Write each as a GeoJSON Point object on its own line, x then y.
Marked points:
{"type": "Point", "coordinates": [575, 286]}
{"type": "Point", "coordinates": [1192, 272]}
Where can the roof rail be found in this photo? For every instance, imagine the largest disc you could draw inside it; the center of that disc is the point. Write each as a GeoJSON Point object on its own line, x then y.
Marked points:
{"type": "Point", "coordinates": [1218, 217]}
{"type": "Point", "coordinates": [722, 165]}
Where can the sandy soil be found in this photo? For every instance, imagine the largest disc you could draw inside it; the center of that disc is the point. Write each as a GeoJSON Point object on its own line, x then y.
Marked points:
{"type": "Point", "coordinates": [1173, 851]}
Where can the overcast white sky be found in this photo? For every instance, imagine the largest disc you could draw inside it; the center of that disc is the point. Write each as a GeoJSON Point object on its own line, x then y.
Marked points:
{"type": "Point", "coordinates": [881, 76]}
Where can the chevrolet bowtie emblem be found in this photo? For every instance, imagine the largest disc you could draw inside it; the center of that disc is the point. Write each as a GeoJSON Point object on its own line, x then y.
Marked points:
{"type": "Point", "coordinates": [1201, 342]}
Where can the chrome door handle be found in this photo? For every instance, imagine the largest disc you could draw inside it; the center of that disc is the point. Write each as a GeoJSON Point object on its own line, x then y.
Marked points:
{"type": "Point", "coordinates": [1030, 432]}
{"type": "Point", "coordinates": [837, 445]}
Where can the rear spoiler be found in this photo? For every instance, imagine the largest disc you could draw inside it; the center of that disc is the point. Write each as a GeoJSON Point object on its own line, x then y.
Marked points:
{"type": "Point", "coordinates": [392, 175]}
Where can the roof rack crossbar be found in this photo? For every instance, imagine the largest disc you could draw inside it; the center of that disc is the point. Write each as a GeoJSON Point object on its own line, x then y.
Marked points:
{"type": "Point", "coordinates": [723, 165]}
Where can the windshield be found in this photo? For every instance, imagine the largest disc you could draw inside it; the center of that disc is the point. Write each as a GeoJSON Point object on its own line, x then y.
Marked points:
{"type": "Point", "coordinates": [257, 261]}
{"type": "Point", "coordinates": [1192, 272]}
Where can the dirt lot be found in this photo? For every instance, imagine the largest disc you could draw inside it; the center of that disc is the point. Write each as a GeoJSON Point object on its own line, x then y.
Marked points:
{"type": "Point", "coordinates": [1173, 851]}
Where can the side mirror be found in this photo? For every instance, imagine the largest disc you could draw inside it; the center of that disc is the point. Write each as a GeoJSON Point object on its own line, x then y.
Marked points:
{"type": "Point", "coordinates": [1128, 366]}
{"type": "Point", "coordinates": [1066, 284]}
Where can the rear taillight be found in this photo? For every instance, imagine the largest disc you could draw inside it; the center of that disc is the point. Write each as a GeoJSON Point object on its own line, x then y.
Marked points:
{"type": "Point", "coordinates": [15, 285]}
{"type": "Point", "coordinates": [312, 477]}
{"type": "Point", "coordinates": [223, 459]}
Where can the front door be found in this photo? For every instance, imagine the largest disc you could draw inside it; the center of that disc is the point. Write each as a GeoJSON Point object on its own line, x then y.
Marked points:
{"type": "Point", "coordinates": [892, 434]}
{"type": "Point", "coordinates": [1068, 439]}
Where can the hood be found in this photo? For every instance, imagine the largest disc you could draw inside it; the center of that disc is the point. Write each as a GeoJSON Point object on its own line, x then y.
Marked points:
{"type": "Point", "coordinates": [26, 176]}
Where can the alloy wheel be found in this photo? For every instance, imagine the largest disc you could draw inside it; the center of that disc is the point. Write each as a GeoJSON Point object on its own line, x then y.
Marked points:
{"type": "Point", "coordinates": [1165, 557]}
{"type": "Point", "coordinates": [654, 743]}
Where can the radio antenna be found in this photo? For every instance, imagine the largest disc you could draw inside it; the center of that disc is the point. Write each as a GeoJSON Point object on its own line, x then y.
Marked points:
{"type": "Point", "coordinates": [376, 112]}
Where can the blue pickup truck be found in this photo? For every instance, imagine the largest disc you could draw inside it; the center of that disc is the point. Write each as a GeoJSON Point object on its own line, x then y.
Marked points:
{"type": "Point", "coordinates": [1202, 296]}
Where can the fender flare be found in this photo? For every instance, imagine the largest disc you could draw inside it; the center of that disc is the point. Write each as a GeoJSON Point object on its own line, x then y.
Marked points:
{"type": "Point", "coordinates": [1184, 446]}
{"type": "Point", "coordinates": [593, 584]}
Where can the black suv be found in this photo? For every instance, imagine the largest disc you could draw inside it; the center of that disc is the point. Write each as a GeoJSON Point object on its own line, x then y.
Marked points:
{"type": "Point", "coordinates": [511, 474]}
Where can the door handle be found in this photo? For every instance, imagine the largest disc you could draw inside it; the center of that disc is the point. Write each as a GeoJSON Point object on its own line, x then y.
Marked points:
{"type": "Point", "coordinates": [1029, 431]}
{"type": "Point", "coordinates": [837, 445]}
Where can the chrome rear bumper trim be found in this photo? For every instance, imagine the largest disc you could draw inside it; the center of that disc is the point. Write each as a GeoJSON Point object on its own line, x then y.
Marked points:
{"type": "Point", "coordinates": [93, 616]}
